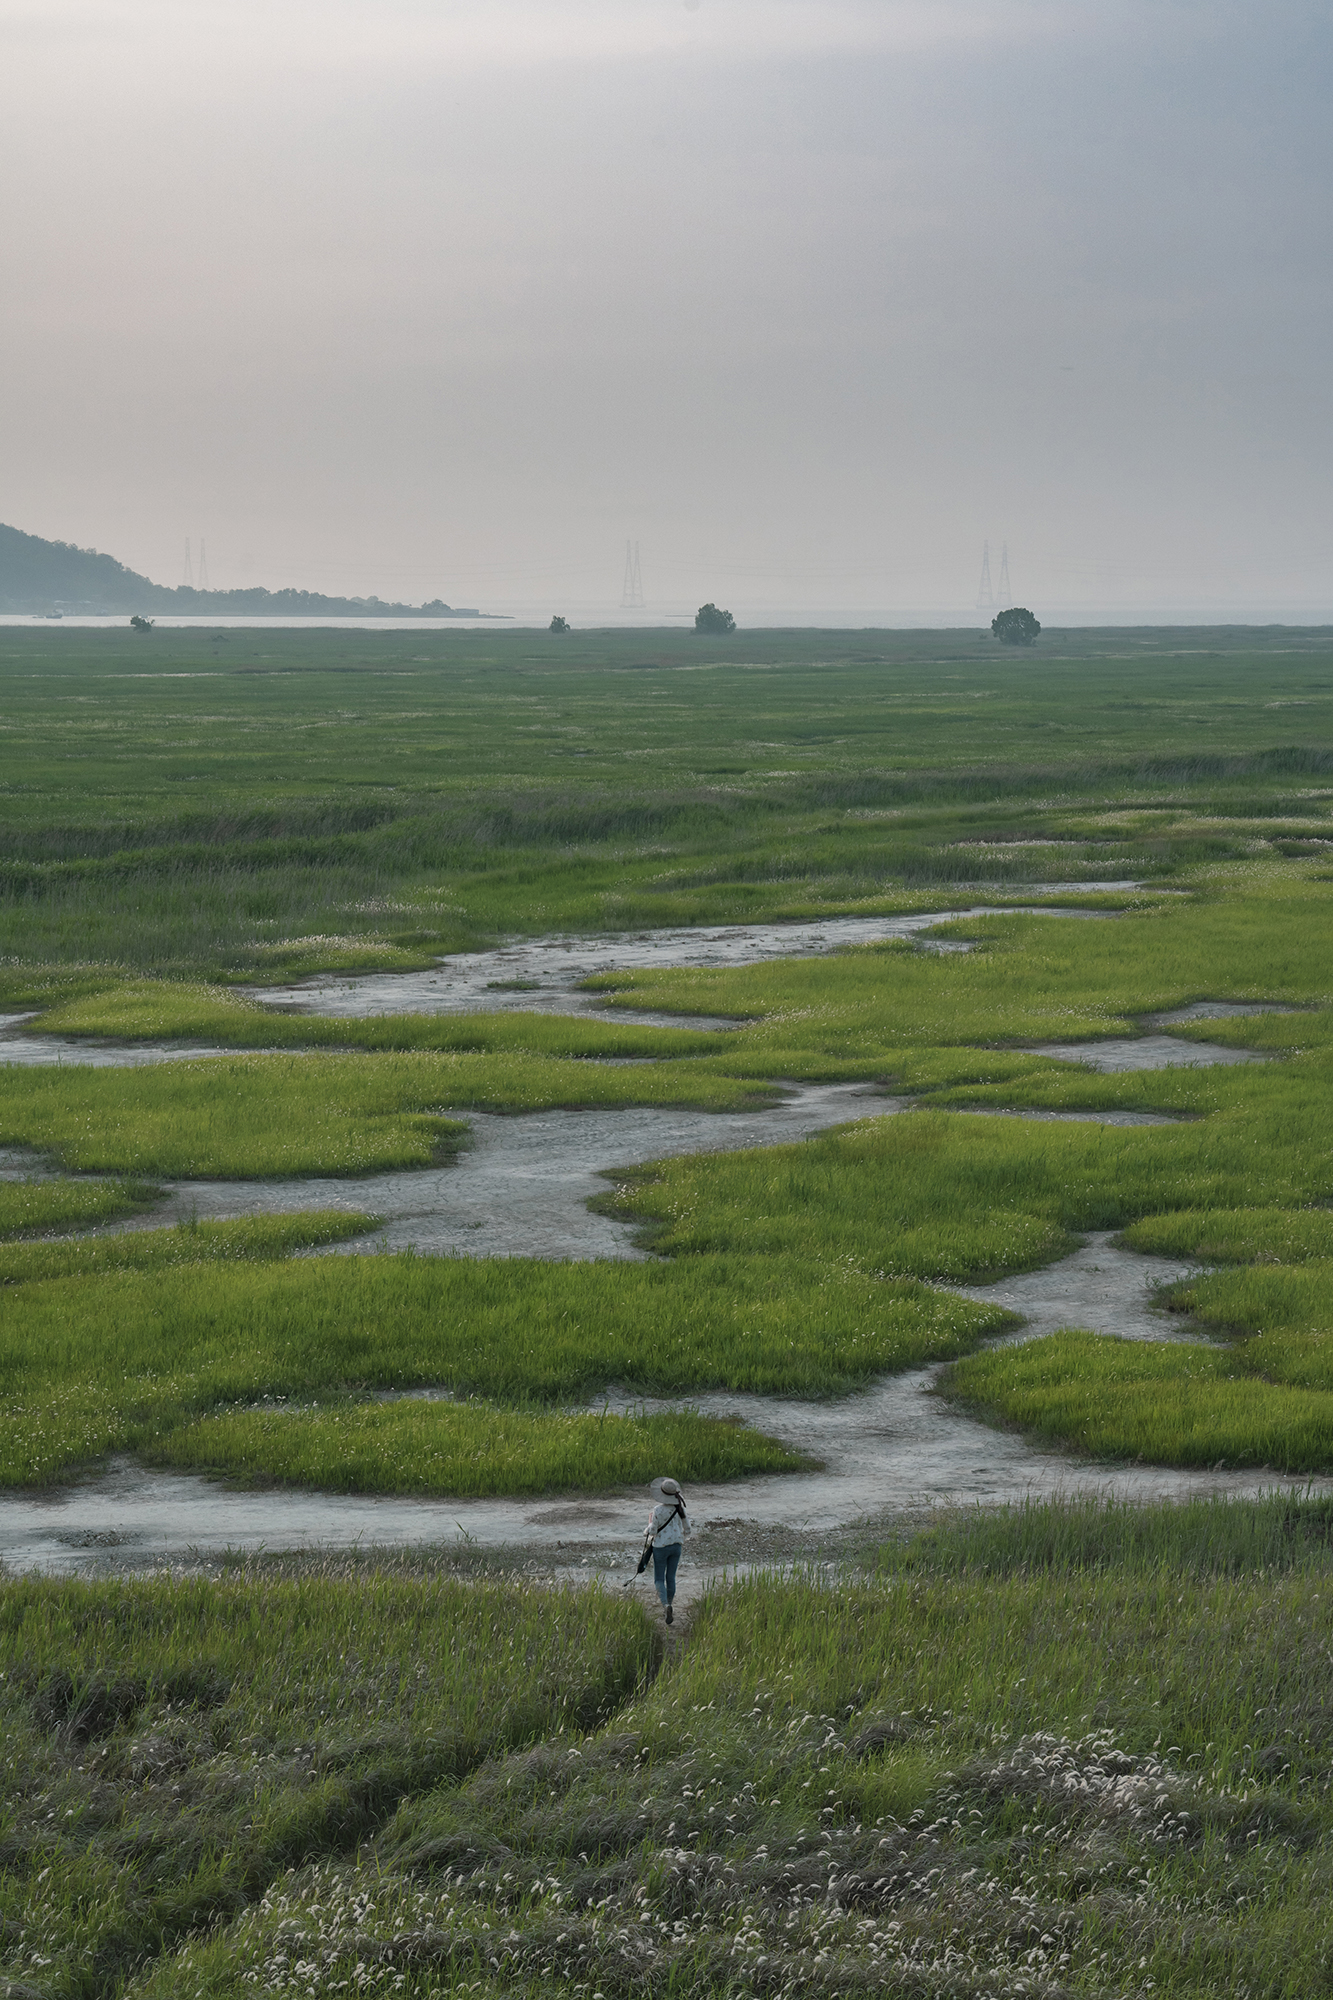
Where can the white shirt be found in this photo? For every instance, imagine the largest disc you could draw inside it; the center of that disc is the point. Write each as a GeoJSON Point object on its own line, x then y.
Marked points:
{"type": "Point", "coordinates": [665, 1524]}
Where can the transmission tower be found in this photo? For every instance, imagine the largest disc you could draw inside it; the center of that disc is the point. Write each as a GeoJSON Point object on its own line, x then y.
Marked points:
{"type": "Point", "coordinates": [188, 578]}
{"type": "Point", "coordinates": [203, 566]}
{"type": "Point", "coordinates": [631, 596]}
{"type": "Point", "coordinates": [1006, 594]}
{"type": "Point", "coordinates": [985, 595]}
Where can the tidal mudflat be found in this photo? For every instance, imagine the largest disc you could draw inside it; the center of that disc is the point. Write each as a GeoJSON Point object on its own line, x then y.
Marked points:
{"type": "Point", "coordinates": [897, 1449]}
{"type": "Point", "coordinates": [521, 1185]}
{"type": "Point", "coordinates": [1115, 1056]}
{"type": "Point", "coordinates": [548, 974]}
{"type": "Point", "coordinates": [42, 1051]}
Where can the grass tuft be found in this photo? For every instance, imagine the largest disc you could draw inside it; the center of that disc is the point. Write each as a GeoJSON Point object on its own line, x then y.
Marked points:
{"type": "Point", "coordinates": [469, 1450]}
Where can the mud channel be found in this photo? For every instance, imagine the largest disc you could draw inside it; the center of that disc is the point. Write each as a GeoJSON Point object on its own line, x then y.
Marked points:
{"type": "Point", "coordinates": [546, 975]}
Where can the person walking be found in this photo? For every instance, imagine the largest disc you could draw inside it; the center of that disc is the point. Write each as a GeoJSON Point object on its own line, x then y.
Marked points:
{"type": "Point", "coordinates": [668, 1526]}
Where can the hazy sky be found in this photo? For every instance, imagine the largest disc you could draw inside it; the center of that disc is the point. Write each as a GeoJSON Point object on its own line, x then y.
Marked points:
{"type": "Point", "coordinates": [809, 297]}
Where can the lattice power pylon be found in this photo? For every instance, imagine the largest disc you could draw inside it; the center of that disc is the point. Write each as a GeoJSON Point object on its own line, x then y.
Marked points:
{"type": "Point", "coordinates": [631, 596]}
{"type": "Point", "coordinates": [985, 595]}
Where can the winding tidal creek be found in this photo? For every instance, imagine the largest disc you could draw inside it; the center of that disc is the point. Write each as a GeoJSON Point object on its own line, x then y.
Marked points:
{"type": "Point", "coordinates": [521, 1188]}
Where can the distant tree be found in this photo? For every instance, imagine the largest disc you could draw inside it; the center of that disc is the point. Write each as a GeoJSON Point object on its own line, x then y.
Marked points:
{"type": "Point", "coordinates": [558, 624]}
{"type": "Point", "coordinates": [142, 624]}
{"type": "Point", "coordinates": [709, 619]}
{"type": "Point", "coordinates": [1016, 627]}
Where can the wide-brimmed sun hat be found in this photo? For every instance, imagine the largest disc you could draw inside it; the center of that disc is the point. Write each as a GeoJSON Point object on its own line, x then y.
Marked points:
{"type": "Point", "coordinates": [667, 1486]}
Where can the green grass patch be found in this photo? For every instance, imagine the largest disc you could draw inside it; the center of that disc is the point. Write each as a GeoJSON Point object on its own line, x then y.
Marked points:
{"type": "Point", "coordinates": [117, 1360]}
{"type": "Point", "coordinates": [1205, 1537]}
{"type": "Point", "coordinates": [256, 1238]}
{"type": "Point", "coordinates": [1263, 1399]}
{"type": "Point", "coordinates": [1130, 1399]}
{"type": "Point", "coordinates": [469, 1450]}
{"type": "Point", "coordinates": [1261, 935]}
{"type": "Point", "coordinates": [243, 1116]}
{"type": "Point", "coordinates": [1280, 1319]}
{"type": "Point", "coordinates": [1236, 1235]}
{"type": "Point", "coordinates": [172, 1747]}
{"type": "Point", "coordinates": [287, 802]}
{"type": "Point", "coordinates": [929, 1194]}
{"type": "Point", "coordinates": [45, 1207]}
{"type": "Point", "coordinates": [1054, 1779]}
{"type": "Point", "coordinates": [164, 1010]}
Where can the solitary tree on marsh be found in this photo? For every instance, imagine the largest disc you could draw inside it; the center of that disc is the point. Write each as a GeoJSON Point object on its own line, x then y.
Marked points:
{"type": "Point", "coordinates": [1016, 627]}
{"type": "Point", "coordinates": [709, 619]}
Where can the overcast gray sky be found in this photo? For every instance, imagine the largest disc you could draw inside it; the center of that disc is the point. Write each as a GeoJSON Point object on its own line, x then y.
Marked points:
{"type": "Point", "coordinates": [810, 298]}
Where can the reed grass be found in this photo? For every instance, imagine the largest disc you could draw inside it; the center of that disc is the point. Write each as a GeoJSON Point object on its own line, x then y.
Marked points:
{"type": "Point", "coordinates": [173, 1746]}
{"type": "Point", "coordinates": [1013, 1777]}
{"type": "Point", "coordinates": [1204, 1536]}
{"type": "Point", "coordinates": [469, 1450]}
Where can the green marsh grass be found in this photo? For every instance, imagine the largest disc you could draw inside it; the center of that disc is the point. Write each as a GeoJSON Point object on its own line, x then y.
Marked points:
{"type": "Point", "coordinates": [285, 802]}
{"type": "Point", "coordinates": [1246, 933]}
{"type": "Point", "coordinates": [1265, 1398]}
{"type": "Point", "coordinates": [929, 1194]}
{"type": "Point", "coordinates": [1205, 1536]}
{"type": "Point", "coordinates": [172, 1747]}
{"type": "Point", "coordinates": [1236, 1235]}
{"type": "Point", "coordinates": [41, 1207]}
{"type": "Point", "coordinates": [116, 1360]}
{"type": "Point", "coordinates": [1279, 1318]}
{"type": "Point", "coordinates": [255, 1116]}
{"type": "Point", "coordinates": [469, 1450]}
{"type": "Point", "coordinates": [1132, 1399]}
{"type": "Point", "coordinates": [261, 1237]}
{"type": "Point", "coordinates": [1259, 932]}
{"type": "Point", "coordinates": [1018, 1776]}
{"type": "Point", "coordinates": [158, 1010]}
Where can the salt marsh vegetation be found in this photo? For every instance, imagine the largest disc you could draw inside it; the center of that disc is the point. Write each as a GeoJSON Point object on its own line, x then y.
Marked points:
{"type": "Point", "coordinates": [172, 1747]}
{"type": "Point", "coordinates": [470, 1450]}
{"type": "Point", "coordinates": [1061, 1751]}
{"type": "Point", "coordinates": [1054, 1752]}
{"type": "Point", "coordinates": [118, 1357]}
{"type": "Point", "coordinates": [40, 1206]}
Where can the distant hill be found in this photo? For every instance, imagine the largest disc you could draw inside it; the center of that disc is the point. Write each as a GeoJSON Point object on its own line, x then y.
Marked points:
{"type": "Point", "coordinates": [37, 576]}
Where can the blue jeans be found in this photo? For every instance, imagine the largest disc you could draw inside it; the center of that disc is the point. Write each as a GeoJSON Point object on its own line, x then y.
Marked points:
{"type": "Point", "coordinates": [665, 1564]}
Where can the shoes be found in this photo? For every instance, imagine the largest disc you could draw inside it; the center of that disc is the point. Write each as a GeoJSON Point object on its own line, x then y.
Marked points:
{"type": "Point", "coordinates": [670, 1618]}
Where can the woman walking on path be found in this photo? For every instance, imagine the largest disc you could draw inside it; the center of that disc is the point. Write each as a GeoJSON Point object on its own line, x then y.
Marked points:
{"type": "Point", "coordinates": [667, 1529]}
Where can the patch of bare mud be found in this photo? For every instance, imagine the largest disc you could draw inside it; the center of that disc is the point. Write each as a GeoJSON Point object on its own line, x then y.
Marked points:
{"type": "Point", "coordinates": [51, 1051]}
{"type": "Point", "coordinates": [1102, 1288]}
{"type": "Point", "coordinates": [522, 1186]}
{"type": "Point", "coordinates": [545, 975]}
{"type": "Point", "coordinates": [1215, 1010]}
{"type": "Point", "coordinates": [1119, 1055]}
